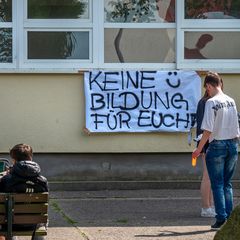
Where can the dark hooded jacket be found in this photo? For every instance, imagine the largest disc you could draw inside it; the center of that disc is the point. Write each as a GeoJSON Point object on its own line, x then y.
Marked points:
{"type": "Point", "coordinates": [24, 177]}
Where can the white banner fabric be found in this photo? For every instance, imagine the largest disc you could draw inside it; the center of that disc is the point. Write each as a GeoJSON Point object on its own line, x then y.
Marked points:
{"type": "Point", "coordinates": [141, 101]}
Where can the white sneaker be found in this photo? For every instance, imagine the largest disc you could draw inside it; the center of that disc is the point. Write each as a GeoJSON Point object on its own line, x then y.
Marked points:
{"type": "Point", "coordinates": [213, 210]}
{"type": "Point", "coordinates": [208, 212]}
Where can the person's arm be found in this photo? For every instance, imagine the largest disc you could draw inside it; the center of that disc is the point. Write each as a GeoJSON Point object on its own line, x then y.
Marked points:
{"type": "Point", "coordinates": [204, 139]}
{"type": "Point", "coordinates": [207, 127]}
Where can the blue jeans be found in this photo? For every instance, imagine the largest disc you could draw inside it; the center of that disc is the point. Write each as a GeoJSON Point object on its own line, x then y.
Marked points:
{"type": "Point", "coordinates": [221, 159]}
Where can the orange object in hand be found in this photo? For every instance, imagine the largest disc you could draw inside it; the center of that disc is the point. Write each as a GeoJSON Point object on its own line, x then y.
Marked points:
{"type": "Point", "coordinates": [194, 162]}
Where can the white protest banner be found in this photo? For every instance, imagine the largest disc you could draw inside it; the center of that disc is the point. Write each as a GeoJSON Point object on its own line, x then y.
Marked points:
{"type": "Point", "coordinates": [141, 101]}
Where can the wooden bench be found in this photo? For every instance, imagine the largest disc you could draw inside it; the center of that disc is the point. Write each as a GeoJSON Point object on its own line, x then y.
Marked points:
{"type": "Point", "coordinates": [23, 208]}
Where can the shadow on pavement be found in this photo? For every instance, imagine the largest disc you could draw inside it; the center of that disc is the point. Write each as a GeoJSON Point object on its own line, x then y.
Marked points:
{"type": "Point", "coordinates": [175, 234]}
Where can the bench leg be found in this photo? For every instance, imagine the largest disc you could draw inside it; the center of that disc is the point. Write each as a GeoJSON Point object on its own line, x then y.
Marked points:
{"type": "Point", "coordinates": [9, 209]}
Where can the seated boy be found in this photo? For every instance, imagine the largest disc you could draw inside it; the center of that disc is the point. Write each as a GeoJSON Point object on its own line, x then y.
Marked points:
{"type": "Point", "coordinates": [24, 176]}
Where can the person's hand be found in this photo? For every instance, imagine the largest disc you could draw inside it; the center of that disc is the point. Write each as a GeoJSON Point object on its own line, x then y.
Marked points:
{"type": "Point", "coordinates": [196, 153]}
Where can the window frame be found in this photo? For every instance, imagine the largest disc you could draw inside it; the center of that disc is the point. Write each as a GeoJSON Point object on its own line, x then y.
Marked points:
{"type": "Point", "coordinates": [197, 25]}
{"type": "Point", "coordinates": [96, 26]}
{"type": "Point", "coordinates": [152, 25]}
{"type": "Point", "coordinates": [55, 25]}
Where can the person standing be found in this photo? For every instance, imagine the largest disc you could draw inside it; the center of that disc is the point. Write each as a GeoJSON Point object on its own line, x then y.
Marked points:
{"type": "Point", "coordinates": [220, 128]}
{"type": "Point", "coordinates": [207, 209]}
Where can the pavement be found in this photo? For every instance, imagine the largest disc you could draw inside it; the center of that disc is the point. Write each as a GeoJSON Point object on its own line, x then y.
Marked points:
{"type": "Point", "coordinates": [129, 215]}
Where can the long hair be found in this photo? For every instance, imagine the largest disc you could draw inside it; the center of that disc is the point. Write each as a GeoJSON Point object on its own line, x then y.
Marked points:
{"type": "Point", "coordinates": [205, 96]}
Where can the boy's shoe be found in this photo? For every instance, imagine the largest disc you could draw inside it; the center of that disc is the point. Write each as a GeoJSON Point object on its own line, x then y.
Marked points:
{"type": "Point", "coordinates": [208, 212]}
{"type": "Point", "coordinates": [217, 225]}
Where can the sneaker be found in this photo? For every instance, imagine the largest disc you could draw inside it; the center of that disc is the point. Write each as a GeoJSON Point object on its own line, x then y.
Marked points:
{"type": "Point", "coordinates": [217, 225]}
{"type": "Point", "coordinates": [208, 212]}
{"type": "Point", "coordinates": [213, 210]}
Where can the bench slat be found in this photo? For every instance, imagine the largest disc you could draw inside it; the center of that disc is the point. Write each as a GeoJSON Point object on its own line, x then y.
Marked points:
{"type": "Point", "coordinates": [30, 208]}
{"type": "Point", "coordinates": [30, 219]}
{"type": "Point", "coordinates": [34, 197]}
{"type": "Point", "coordinates": [22, 197]}
{"type": "Point", "coordinates": [21, 233]}
{"type": "Point", "coordinates": [26, 208]}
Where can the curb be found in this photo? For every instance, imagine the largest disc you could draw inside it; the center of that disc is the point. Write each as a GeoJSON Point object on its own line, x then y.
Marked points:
{"type": "Point", "coordinates": [126, 185]}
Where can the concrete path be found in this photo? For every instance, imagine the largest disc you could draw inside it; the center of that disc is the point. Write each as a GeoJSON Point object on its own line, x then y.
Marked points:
{"type": "Point", "coordinates": [128, 215]}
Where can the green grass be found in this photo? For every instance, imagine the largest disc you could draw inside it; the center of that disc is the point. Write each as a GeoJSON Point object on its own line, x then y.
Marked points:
{"type": "Point", "coordinates": [72, 222]}
{"type": "Point", "coordinates": [123, 221]}
{"type": "Point", "coordinates": [57, 209]}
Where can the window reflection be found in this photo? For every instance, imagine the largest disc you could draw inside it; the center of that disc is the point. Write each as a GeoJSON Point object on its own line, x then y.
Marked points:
{"type": "Point", "coordinates": [140, 46]}
{"type": "Point", "coordinates": [166, 10]}
{"type": "Point", "coordinates": [5, 45]}
{"type": "Point", "coordinates": [212, 45]}
{"type": "Point", "coordinates": [214, 9]}
{"type": "Point", "coordinates": [5, 10]}
{"type": "Point", "coordinates": [58, 45]}
{"type": "Point", "coordinates": [61, 9]}
{"type": "Point", "coordinates": [139, 11]}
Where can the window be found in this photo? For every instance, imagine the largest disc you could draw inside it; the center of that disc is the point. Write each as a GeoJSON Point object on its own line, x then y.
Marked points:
{"type": "Point", "coordinates": [6, 33]}
{"type": "Point", "coordinates": [6, 45]}
{"type": "Point", "coordinates": [139, 45]}
{"type": "Point", "coordinates": [56, 34]}
{"type": "Point", "coordinates": [229, 9]}
{"type": "Point", "coordinates": [211, 45]}
{"type": "Point", "coordinates": [139, 32]}
{"type": "Point", "coordinates": [58, 45]}
{"type": "Point", "coordinates": [57, 9]}
{"type": "Point", "coordinates": [209, 35]}
{"type": "Point", "coordinates": [65, 36]}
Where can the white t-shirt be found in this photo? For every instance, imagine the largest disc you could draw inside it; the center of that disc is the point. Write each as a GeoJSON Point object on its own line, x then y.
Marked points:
{"type": "Point", "coordinates": [220, 118]}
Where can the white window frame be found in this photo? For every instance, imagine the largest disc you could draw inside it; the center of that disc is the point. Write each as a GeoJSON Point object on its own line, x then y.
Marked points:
{"type": "Point", "coordinates": [96, 26]}
{"type": "Point", "coordinates": [205, 25]}
{"type": "Point", "coordinates": [55, 25]}
{"type": "Point", "coordinates": [154, 25]}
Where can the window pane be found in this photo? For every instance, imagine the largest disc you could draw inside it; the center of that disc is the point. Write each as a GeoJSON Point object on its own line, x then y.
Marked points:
{"type": "Point", "coordinates": [58, 45]}
{"type": "Point", "coordinates": [214, 9]}
{"type": "Point", "coordinates": [140, 11]}
{"type": "Point", "coordinates": [5, 45]}
{"type": "Point", "coordinates": [212, 45]}
{"type": "Point", "coordinates": [5, 10]}
{"type": "Point", "coordinates": [139, 45]}
{"type": "Point", "coordinates": [61, 9]}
